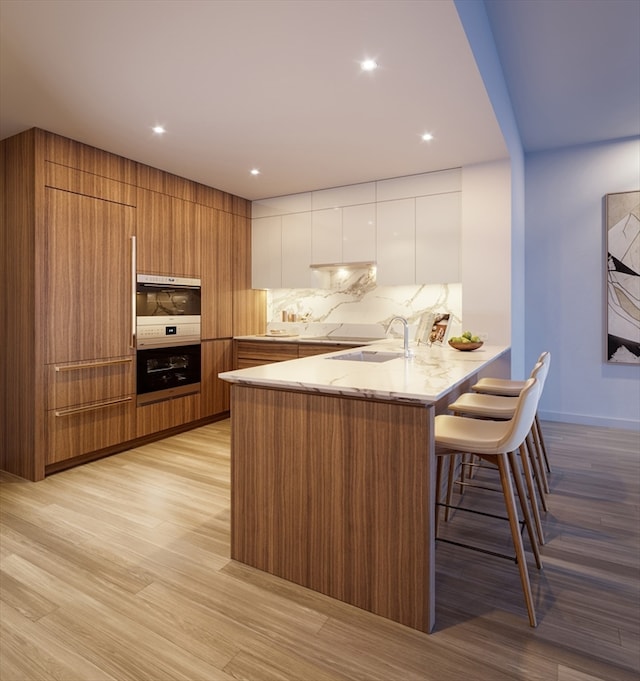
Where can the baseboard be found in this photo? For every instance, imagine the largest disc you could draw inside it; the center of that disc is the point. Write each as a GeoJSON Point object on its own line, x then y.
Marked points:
{"type": "Point", "coordinates": [584, 420]}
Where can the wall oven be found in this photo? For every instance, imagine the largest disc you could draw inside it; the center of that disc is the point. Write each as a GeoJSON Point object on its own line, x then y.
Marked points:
{"type": "Point", "coordinates": [167, 337]}
{"type": "Point", "coordinates": [167, 310]}
{"type": "Point", "coordinates": [165, 373]}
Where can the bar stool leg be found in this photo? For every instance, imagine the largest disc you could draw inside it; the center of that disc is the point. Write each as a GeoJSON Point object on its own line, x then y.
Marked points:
{"type": "Point", "coordinates": [538, 470]}
{"type": "Point", "coordinates": [453, 461]}
{"type": "Point", "coordinates": [540, 437]}
{"type": "Point", "coordinates": [509, 500]}
{"type": "Point", "coordinates": [522, 495]}
{"type": "Point", "coordinates": [528, 476]}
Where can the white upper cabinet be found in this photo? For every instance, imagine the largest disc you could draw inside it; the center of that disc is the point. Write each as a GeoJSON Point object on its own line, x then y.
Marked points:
{"type": "Point", "coordinates": [326, 231]}
{"type": "Point", "coordinates": [266, 252]}
{"type": "Point", "coordinates": [395, 242]}
{"type": "Point", "coordinates": [359, 233]}
{"type": "Point", "coordinates": [349, 195]}
{"type": "Point", "coordinates": [281, 205]}
{"type": "Point", "coordinates": [410, 226]}
{"type": "Point", "coordinates": [438, 225]}
{"type": "Point", "coordinates": [296, 251]}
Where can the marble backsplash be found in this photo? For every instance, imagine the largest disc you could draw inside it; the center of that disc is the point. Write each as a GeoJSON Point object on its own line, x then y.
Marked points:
{"type": "Point", "coordinates": [355, 307]}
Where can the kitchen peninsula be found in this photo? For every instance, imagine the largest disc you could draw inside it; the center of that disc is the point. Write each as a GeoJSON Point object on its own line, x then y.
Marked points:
{"type": "Point", "coordinates": [333, 474]}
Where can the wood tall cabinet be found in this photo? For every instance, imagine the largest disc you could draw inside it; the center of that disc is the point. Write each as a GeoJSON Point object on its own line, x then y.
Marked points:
{"type": "Point", "coordinates": [68, 367]}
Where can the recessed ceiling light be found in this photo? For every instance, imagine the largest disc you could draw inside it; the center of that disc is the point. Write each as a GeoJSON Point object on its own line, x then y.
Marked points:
{"type": "Point", "coordinates": [254, 171]}
{"type": "Point", "coordinates": [427, 137]}
{"type": "Point", "coordinates": [369, 65]}
{"type": "Point", "coordinates": [158, 129]}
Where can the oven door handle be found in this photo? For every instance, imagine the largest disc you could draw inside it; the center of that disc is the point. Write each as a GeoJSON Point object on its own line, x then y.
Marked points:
{"type": "Point", "coordinates": [133, 292]}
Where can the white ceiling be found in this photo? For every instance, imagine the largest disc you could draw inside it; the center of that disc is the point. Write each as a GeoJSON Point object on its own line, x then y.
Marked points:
{"type": "Point", "coordinates": [275, 84]}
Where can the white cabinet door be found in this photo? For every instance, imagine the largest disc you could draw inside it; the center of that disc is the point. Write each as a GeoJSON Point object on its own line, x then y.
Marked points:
{"type": "Point", "coordinates": [395, 242]}
{"type": "Point", "coordinates": [438, 227]}
{"type": "Point", "coordinates": [266, 252]}
{"type": "Point", "coordinates": [359, 233]}
{"type": "Point", "coordinates": [296, 251]}
{"type": "Point", "coordinates": [326, 236]}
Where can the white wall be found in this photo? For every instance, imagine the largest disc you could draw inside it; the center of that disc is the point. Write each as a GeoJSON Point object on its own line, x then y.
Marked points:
{"type": "Point", "coordinates": [565, 294]}
{"type": "Point", "coordinates": [486, 250]}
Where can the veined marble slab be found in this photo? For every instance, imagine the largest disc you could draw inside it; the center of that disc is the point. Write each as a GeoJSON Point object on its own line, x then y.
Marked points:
{"type": "Point", "coordinates": [425, 377]}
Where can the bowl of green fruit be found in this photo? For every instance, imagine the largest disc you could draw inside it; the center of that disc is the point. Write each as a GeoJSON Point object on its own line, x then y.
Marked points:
{"type": "Point", "coordinates": [466, 342]}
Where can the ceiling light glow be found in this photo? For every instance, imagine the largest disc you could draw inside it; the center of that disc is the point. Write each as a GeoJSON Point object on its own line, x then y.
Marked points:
{"type": "Point", "coordinates": [427, 137]}
{"type": "Point", "coordinates": [254, 171]}
{"type": "Point", "coordinates": [158, 129]}
{"type": "Point", "coordinates": [369, 65]}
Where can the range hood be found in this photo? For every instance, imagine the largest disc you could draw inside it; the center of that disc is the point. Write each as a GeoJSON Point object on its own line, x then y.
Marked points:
{"type": "Point", "coordinates": [332, 266]}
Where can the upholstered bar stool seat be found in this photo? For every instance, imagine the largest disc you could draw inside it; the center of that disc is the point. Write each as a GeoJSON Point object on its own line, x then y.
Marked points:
{"type": "Point", "coordinates": [496, 442]}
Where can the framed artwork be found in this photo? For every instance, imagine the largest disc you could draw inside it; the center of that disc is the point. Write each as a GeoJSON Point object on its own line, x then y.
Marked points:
{"type": "Point", "coordinates": [439, 328]}
{"type": "Point", "coordinates": [622, 212]}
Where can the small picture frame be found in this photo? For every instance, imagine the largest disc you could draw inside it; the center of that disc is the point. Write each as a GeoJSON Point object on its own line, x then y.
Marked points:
{"type": "Point", "coordinates": [439, 328]}
{"type": "Point", "coordinates": [433, 328]}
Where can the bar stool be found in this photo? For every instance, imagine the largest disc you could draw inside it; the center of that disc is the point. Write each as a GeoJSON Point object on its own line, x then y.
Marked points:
{"type": "Point", "coordinates": [478, 405]}
{"type": "Point", "coordinates": [496, 442]}
{"type": "Point", "coordinates": [509, 388]}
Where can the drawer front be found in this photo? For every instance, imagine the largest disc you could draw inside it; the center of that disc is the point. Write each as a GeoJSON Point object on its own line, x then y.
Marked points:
{"type": "Point", "coordinates": [310, 349]}
{"type": "Point", "coordinates": [269, 351]}
{"type": "Point", "coordinates": [76, 431]}
{"type": "Point", "coordinates": [81, 383]}
{"type": "Point", "coordinates": [153, 418]}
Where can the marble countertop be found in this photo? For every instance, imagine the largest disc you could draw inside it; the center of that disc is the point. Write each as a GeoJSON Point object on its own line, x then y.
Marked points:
{"type": "Point", "coordinates": [425, 377]}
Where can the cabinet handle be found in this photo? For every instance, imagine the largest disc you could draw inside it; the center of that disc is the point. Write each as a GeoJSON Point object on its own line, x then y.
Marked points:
{"type": "Point", "coordinates": [93, 365]}
{"type": "Point", "coordinates": [134, 256]}
{"type": "Point", "coordinates": [92, 407]}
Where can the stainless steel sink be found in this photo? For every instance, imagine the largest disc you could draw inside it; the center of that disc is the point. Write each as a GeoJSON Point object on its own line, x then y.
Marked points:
{"type": "Point", "coordinates": [368, 356]}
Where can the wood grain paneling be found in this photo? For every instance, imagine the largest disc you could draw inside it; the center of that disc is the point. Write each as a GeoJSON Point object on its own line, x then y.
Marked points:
{"type": "Point", "coordinates": [217, 356]}
{"type": "Point", "coordinates": [249, 305]}
{"type": "Point", "coordinates": [74, 154]}
{"type": "Point", "coordinates": [216, 230]}
{"type": "Point", "coordinates": [86, 382]}
{"type": "Point", "coordinates": [336, 494]}
{"type": "Point", "coordinates": [159, 416]}
{"type": "Point", "coordinates": [311, 349]}
{"type": "Point", "coordinates": [185, 240]}
{"type": "Point", "coordinates": [88, 278]}
{"type": "Point", "coordinates": [165, 183]}
{"type": "Point", "coordinates": [153, 231]}
{"type": "Point", "coordinates": [87, 184]}
{"type": "Point", "coordinates": [263, 352]}
{"type": "Point", "coordinates": [88, 429]}
{"type": "Point", "coordinates": [20, 324]}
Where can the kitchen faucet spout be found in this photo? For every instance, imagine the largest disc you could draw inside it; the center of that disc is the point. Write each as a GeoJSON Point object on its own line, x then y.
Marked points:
{"type": "Point", "coordinates": [405, 323]}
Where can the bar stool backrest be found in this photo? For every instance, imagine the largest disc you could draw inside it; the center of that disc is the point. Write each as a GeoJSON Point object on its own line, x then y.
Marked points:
{"type": "Point", "coordinates": [523, 417]}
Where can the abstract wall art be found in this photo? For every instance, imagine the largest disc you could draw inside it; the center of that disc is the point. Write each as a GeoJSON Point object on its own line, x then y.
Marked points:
{"type": "Point", "coordinates": [622, 212]}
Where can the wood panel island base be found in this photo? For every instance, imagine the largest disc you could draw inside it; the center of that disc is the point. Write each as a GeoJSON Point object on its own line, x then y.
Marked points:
{"type": "Point", "coordinates": [335, 493]}
{"type": "Point", "coordinates": [333, 474]}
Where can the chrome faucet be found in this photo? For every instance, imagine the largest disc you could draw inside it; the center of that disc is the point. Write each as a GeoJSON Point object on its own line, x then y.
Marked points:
{"type": "Point", "coordinates": [405, 323]}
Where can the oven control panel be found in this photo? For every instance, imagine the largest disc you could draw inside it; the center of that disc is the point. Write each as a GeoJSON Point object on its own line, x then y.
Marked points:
{"type": "Point", "coordinates": [167, 331]}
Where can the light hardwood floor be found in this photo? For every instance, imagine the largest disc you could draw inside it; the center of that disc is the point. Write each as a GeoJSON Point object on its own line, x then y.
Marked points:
{"type": "Point", "coordinates": [120, 570]}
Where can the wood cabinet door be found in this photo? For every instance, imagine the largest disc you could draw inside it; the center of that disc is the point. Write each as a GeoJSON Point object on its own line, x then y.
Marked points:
{"type": "Point", "coordinates": [217, 356]}
{"type": "Point", "coordinates": [154, 233]}
{"type": "Point", "coordinates": [184, 239]}
{"type": "Point", "coordinates": [216, 228]}
{"type": "Point", "coordinates": [89, 284]}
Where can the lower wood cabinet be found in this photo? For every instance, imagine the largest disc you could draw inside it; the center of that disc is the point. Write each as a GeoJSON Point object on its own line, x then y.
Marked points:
{"type": "Point", "coordinates": [79, 430]}
{"type": "Point", "coordinates": [152, 418]}
{"type": "Point", "coordinates": [217, 356]}
{"type": "Point", "coordinates": [250, 353]}
{"type": "Point", "coordinates": [90, 406]}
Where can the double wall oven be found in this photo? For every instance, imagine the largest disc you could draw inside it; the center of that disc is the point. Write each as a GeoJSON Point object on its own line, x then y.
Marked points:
{"type": "Point", "coordinates": [168, 313]}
